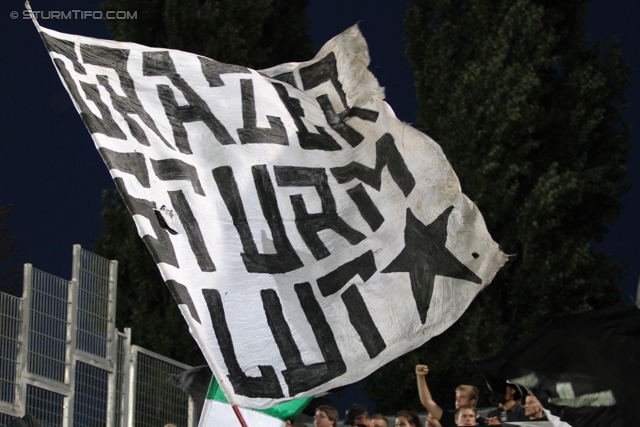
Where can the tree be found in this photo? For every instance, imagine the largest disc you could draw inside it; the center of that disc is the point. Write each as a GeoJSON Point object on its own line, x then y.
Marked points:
{"type": "Point", "coordinates": [9, 273]}
{"type": "Point", "coordinates": [530, 116]}
{"type": "Point", "coordinates": [256, 34]}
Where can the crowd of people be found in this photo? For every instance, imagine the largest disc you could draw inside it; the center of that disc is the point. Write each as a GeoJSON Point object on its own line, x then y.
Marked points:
{"type": "Point", "coordinates": [465, 414]}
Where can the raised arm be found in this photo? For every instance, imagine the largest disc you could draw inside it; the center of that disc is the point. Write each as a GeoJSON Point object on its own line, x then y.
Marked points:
{"type": "Point", "coordinates": [425, 395]}
{"type": "Point", "coordinates": [432, 422]}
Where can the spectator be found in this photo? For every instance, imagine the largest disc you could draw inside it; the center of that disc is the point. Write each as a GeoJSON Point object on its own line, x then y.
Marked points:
{"type": "Point", "coordinates": [465, 395]}
{"type": "Point", "coordinates": [511, 409]}
{"type": "Point", "coordinates": [407, 419]}
{"type": "Point", "coordinates": [379, 420]}
{"type": "Point", "coordinates": [325, 416]}
{"type": "Point", "coordinates": [533, 409]}
{"type": "Point", "coordinates": [357, 415]}
{"type": "Point", "coordinates": [466, 415]}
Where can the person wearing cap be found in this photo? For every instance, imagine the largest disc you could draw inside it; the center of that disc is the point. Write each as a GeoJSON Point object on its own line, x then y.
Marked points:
{"type": "Point", "coordinates": [357, 415]}
{"type": "Point", "coordinates": [511, 409]}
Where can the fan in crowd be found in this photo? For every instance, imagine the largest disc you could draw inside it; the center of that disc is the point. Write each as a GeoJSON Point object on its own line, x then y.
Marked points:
{"type": "Point", "coordinates": [325, 416]}
{"type": "Point", "coordinates": [465, 395]}
{"type": "Point", "coordinates": [407, 419]}
{"type": "Point", "coordinates": [533, 409]}
{"type": "Point", "coordinates": [510, 409]}
{"type": "Point", "coordinates": [379, 420]}
{"type": "Point", "coordinates": [466, 415]}
{"type": "Point", "coordinates": [357, 416]}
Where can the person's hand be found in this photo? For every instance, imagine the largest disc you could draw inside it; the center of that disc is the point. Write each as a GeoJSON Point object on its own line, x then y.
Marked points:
{"type": "Point", "coordinates": [432, 422]}
{"type": "Point", "coordinates": [493, 421]}
{"type": "Point", "coordinates": [422, 370]}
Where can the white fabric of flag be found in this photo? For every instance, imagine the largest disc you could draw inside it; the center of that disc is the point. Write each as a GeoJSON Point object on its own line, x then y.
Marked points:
{"type": "Point", "coordinates": [219, 414]}
{"type": "Point", "coordinates": [552, 421]}
{"type": "Point", "coordinates": [308, 235]}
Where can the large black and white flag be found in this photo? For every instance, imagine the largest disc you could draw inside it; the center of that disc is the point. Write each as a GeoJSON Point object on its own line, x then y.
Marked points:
{"type": "Point", "coordinates": [307, 234]}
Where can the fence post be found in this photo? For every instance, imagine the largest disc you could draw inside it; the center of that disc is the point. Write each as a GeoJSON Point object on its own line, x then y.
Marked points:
{"type": "Point", "coordinates": [133, 371]}
{"type": "Point", "coordinates": [72, 322]}
{"type": "Point", "coordinates": [112, 345]}
{"type": "Point", "coordinates": [23, 340]}
{"type": "Point", "coordinates": [124, 384]}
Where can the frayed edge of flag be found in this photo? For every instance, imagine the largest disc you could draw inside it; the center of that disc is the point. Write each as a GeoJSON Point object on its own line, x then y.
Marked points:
{"type": "Point", "coordinates": [359, 83]}
{"type": "Point", "coordinates": [352, 56]}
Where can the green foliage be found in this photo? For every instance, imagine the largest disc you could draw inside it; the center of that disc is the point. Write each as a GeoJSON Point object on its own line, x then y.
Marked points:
{"type": "Point", "coordinates": [530, 116]}
{"type": "Point", "coordinates": [257, 34]}
{"type": "Point", "coordinates": [9, 272]}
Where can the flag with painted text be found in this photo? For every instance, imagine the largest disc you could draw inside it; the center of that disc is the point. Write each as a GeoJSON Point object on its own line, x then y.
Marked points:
{"type": "Point", "coordinates": [308, 235]}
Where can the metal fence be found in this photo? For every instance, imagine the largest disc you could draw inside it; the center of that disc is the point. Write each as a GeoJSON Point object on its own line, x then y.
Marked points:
{"type": "Point", "coordinates": [63, 361]}
{"type": "Point", "coordinates": [9, 346]}
{"type": "Point", "coordinates": [157, 401]}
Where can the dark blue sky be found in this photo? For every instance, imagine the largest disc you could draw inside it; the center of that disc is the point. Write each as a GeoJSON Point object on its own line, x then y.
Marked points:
{"type": "Point", "coordinates": [52, 176]}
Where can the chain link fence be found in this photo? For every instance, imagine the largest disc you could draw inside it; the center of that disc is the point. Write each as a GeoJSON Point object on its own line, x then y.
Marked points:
{"type": "Point", "coordinates": [9, 347]}
{"type": "Point", "coordinates": [63, 361]}
{"type": "Point", "coordinates": [158, 401]}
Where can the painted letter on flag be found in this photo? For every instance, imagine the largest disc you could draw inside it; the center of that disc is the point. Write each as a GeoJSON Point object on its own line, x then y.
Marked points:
{"type": "Point", "coordinates": [308, 236]}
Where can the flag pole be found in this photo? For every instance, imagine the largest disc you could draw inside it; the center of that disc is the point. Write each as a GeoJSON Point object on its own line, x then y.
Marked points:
{"type": "Point", "coordinates": [243, 423]}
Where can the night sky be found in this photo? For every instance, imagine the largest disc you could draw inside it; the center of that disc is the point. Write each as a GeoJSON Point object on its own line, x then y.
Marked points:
{"type": "Point", "coordinates": [51, 176]}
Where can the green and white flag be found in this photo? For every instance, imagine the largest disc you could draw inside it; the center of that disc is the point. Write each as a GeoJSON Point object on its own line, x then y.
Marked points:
{"type": "Point", "coordinates": [218, 414]}
{"type": "Point", "coordinates": [218, 411]}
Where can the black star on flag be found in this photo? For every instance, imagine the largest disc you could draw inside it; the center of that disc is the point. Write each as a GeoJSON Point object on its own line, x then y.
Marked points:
{"type": "Point", "coordinates": [425, 256]}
